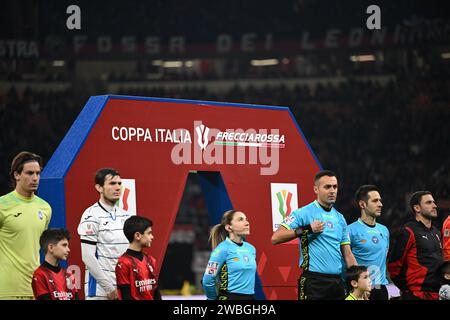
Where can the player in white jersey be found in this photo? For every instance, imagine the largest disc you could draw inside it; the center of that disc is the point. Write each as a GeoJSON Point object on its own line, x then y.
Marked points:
{"type": "Point", "coordinates": [102, 237]}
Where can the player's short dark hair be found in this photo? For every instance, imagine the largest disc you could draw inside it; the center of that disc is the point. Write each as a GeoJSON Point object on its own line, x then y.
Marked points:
{"type": "Point", "coordinates": [324, 173]}
{"type": "Point", "coordinates": [352, 274]}
{"type": "Point", "coordinates": [19, 161]}
{"type": "Point", "coordinates": [135, 224]}
{"type": "Point", "coordinates": [102, 173]}
{"type": "Point", "coordinates": [416, 197]}
{"type": "Point", "coordinates": [52, 236]}
{"type": "Point", "coordinates": [363, 192]}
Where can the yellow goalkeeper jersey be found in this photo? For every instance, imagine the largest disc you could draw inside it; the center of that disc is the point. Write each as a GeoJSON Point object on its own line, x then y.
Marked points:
{"type": "Point", "coordinates": [22, 221]}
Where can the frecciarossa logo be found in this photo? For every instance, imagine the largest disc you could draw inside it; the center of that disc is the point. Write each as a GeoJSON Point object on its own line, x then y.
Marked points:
{"type": "Point", "coordinates": [239, 138]}
{"type": "Point", "coordinates": [229, 137]}
{"type": "Point", "coordinates": [206, 145]}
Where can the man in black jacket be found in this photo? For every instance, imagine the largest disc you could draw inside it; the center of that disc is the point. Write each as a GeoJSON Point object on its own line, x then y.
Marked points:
{"type": "Point", "coordinates": [416, 252]}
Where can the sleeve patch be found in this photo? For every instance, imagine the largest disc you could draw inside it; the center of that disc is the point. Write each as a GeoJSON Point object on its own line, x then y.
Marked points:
{"type": "Point", "coordinates": [289, 219]}
{"type": "Point", "coordinates": [212, 267]}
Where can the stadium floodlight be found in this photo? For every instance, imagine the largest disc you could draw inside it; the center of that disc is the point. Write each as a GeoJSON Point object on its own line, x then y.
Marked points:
{"type": "Point", "coordinates": [172, 64]}
{"type": "Point", "coordinates": [264, 62]}
{"type": "Point", "coordinates": [58, 63]}
{"type": "Point", "coordinates": [362, 58]}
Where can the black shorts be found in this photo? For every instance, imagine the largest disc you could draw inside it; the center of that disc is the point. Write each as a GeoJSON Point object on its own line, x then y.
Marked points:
{"type": "Point", "coordinates": [379, 293]}
{"type": "Point", "coordinates": [235, 296]}
{"type": "Point", "coordinates": [320, 286]}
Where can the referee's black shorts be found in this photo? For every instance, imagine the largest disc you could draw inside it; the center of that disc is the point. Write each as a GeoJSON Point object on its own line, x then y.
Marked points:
{"type": "Point", "coordinates": [235, 296]}
{"type": "Point", "coordinates": [379, 292]}
{"type": "Point", "coordinates": [320, 286]}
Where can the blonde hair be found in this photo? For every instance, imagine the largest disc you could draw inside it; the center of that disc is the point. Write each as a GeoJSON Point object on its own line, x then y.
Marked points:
{"type": "Point", "coordinates": [218, 232]}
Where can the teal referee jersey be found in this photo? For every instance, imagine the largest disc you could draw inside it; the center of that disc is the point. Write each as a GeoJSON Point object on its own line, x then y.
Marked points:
{"type": "Point", "coordinates": [235, 267]}
{"type": "Point", "coordinates": [370, 246]}
{"type": "Point", "coordinates": [320, 252]}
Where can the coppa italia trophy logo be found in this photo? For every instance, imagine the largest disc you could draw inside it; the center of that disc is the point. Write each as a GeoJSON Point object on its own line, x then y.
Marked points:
{"type": "Point", "coordinates": [202, 134]}
{"type": "Point", "coordinates": [127, 201]}
{"type": "Point", "coordinates": [284, 201]}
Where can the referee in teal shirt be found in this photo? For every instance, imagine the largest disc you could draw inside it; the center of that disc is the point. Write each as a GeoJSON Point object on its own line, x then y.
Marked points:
{"type": "Point", "coordinates": [369, 240]}
{"type": "Point", "coordinates": [233, 261]}
{"type": "Point", "coordinates": [324, 242]}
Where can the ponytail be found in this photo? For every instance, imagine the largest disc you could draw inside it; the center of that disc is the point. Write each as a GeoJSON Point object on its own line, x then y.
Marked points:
{"type": "Point", "coordinates": [218, 232]}
{"type": "Point", "coordinates": [217, 235]}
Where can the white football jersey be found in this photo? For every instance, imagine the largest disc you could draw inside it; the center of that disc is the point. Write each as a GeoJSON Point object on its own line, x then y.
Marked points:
{"type": "Point", "coordinates": [103, 228]}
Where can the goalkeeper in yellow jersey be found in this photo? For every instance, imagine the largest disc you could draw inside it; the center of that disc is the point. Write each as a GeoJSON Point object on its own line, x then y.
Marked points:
{"type": "Point", "coordinates": [23, 218]}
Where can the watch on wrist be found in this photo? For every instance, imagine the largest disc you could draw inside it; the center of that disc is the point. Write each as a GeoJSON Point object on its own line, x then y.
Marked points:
{"type": "Point", "coordinates": [298, 231]}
